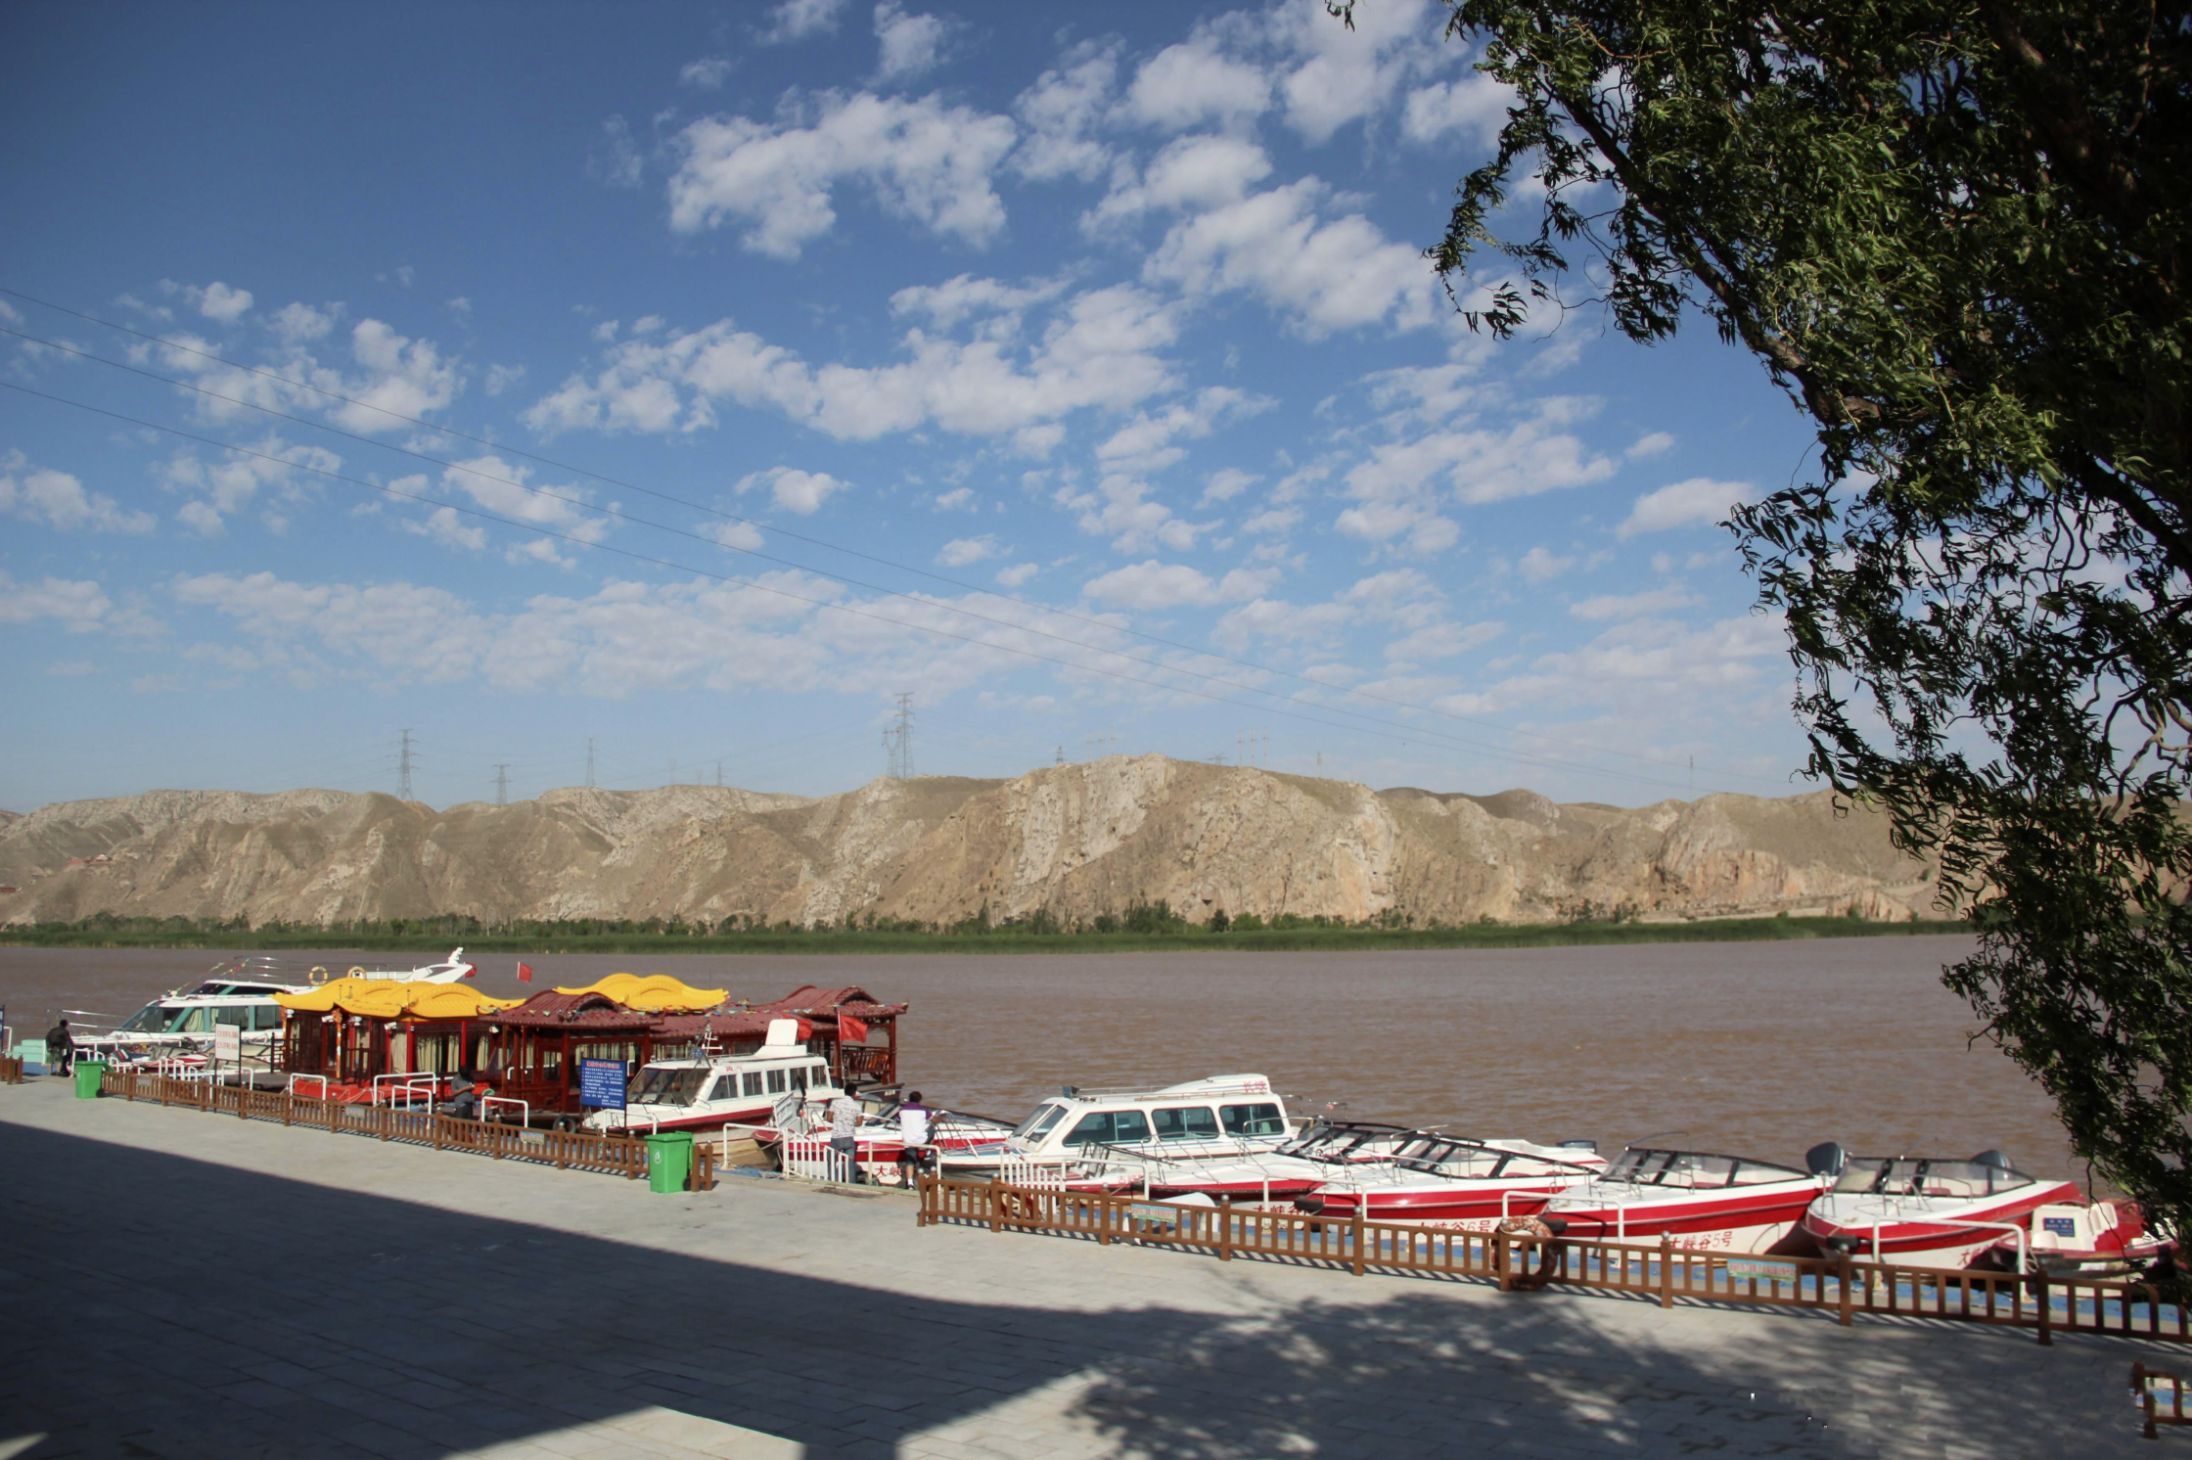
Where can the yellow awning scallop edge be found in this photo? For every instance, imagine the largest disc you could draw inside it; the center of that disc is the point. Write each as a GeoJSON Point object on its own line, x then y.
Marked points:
{"type": "Point", "coordinates": [382, 998]}
{"type": "Point", "coordinates": [653, 993]}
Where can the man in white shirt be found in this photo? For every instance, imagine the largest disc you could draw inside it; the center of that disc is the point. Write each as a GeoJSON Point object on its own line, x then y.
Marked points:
{"type": "Point", "coordinates": [913, 1136]}
{"type": "Point", "coordinates": [844, 1130]}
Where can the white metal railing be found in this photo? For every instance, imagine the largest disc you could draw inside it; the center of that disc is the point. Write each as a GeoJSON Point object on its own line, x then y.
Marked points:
{"type": "Point", "coordinates": [301, 1077]}
{"type": "Point", "coordinates": [410, 1089]}
{"type": "Point", "coordinates": [2023, 1238]}
{"type": "Point", "coordinates": [811, 1158]}
{"type": "Point", "coordinates": [525, 1108]}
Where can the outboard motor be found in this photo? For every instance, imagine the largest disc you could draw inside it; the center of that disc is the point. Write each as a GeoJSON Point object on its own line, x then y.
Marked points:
{"type": "Point", "coordinates": [1995, 1159]}
{"type": "Point", "coordinates": [1826, 1159]}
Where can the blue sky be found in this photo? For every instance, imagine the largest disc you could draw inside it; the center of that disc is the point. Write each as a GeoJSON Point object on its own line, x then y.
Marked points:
{"type": "Point", "coordinates": [693, 380]}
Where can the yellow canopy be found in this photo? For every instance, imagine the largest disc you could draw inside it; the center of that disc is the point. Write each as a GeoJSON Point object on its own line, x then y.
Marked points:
{"type": "Point", "coordinates": [385, 998]}
{"type": "Point", "coordinates": [654, 993]}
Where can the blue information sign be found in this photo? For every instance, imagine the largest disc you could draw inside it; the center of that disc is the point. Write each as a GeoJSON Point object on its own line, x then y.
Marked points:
{"type": "Point", "coordinates": [601, 1083]}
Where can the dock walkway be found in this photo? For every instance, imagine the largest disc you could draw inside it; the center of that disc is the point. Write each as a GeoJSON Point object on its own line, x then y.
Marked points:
{"type": "Point", "coordinates": [177, 1284]}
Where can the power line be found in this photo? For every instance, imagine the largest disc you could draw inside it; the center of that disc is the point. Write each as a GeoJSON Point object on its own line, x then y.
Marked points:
{"type": "Point", "coordinates": [1391, 729]}
{"type": "Point", "coordinates": [823, 543]}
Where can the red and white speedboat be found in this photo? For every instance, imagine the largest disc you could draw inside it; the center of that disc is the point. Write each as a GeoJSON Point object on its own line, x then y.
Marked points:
{"type": "Point", "coordinates": [2091, 1239]}
{"type": "Point", "coordinates": [1473, 1185]}
{"type": "Point", "coordinates": [1927, 1212]}
{"type": "Point", "coordinates": [1696, 1198]}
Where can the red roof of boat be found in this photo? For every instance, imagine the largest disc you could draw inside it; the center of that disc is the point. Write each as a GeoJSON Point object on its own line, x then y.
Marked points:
{"type": "Point", "coordinates": [552, 1010]}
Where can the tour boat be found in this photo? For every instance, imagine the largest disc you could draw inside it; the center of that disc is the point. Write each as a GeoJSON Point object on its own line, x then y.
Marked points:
{"type": "Point", "coordinates": [1695, 1198]}
{"type": "Point", "coordinates": [711, 1090]}
{"type": "Point", "coordinates": [1443, 1180]}
{"type": "Point", "coordinates": [1923, 1211]}
{"type": "Point", "coordinates": [1198, 1134]}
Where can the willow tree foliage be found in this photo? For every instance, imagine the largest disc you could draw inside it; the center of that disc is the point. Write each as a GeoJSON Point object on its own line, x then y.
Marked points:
{"type": "Point", "coordinates": [1956, 234]}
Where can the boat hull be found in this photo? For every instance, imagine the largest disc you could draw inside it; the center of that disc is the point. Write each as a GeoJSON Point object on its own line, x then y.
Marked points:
{"type": "Point", "coordinates": [1762, 1220]}
{"type": "Point", "coordinates": [1912, 1233]}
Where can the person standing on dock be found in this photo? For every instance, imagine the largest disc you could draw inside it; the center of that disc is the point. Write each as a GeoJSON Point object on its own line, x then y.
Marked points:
{"type": "Point", "coordinates": [913, 1138]}
{"type": "Point", "coordinates": [845, 1128]}
{"type": "Point", "coordinates": [60, 1049]}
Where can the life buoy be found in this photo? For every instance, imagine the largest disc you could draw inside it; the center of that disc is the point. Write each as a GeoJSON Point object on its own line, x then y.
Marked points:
{"type": "Point", "coordinates": [1525, 1227]}
{"type": "Point", "coordinates": [1016, 1205]}
{"type": "Point", "coordinates": [319, 973]}
{"type": "Point", "coordinates": [357, 970]}
{"type": "Point", "coordinates": [1548, 1245]}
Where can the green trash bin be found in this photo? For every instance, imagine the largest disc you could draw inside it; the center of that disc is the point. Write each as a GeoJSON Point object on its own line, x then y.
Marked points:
{"type": "Point", "coordinates": [89, 1073]}
{"type": "Point", "coordinates": [669, 1159]}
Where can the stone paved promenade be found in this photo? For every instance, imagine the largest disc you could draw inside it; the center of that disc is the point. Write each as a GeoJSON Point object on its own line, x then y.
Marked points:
{"type": "Point", "coordinates": [185, 1284]}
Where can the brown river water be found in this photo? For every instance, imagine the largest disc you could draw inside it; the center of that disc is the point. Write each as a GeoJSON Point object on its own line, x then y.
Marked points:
{"type": "Point", "coordinates": [1758, 1049]}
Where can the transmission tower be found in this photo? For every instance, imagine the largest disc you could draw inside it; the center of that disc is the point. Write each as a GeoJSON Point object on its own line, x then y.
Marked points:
{"type": "Point", "coordinates": [589, 762]}
{"type": "Point", "coordinates": [898, 740]}
{"type": "Point", "coordinates": [403, 769]}
{"type": "Point", "coordinates": [502, 783]}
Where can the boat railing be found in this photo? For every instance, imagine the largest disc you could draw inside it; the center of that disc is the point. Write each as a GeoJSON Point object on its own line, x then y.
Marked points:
{"type": "Point", "coordinates": [524, 1108]}
{"type": "Point", "coordinates": [812, 1158]}
{"type": "Point", "coordinates": [1199, 1092]}
{"type": "Point", "coordinates": [2024, 1238]}
{"type": "Point", "coordinates": [304, 1077]}
{"type": "Point", "coordinates": [410, 1088]}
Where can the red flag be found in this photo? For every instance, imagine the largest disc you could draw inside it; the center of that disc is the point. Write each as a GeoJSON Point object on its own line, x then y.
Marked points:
{"type": "Point", "coordinates": [525, 973]}
{"type": "Point", "coordinates": [471, 970]}
{"type": "Point", "coordinates": [852, 1029]}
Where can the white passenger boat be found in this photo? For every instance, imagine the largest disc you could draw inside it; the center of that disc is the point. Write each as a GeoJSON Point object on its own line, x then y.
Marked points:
{"type": "Point", "coordinates": [1216, 1136]}
{"type": "Point", "coordinates": [711, 1090]}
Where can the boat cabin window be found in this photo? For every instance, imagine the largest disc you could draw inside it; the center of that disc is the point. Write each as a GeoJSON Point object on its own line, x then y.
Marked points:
{"type": "Point", "coordinates": [1110, 1128]}
{"type": "Point", "coordinates": [1038, 1125]}
{"type": "Point", "coordinates": [749, 1084]}
{"type": "Point", "coordinates": [1252, 1120]}
{"type": "Point", "coordinates": [664, 1085]}
{"type": "Point", "coordinates": [152, 1019]}
{"type": "Point", "coordinates": [777, 1085]}
{"type": "Point", "coordinates": [1185, 1123]}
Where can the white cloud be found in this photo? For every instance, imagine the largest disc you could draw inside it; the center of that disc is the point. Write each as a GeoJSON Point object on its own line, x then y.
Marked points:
{"type": "Point", "coordinates": [445, 526]}
{"type": "Point", "coordinates": [1611, 606]}
{"type": "Point", "coordinates": [1195, 82]}
{"type": "Point", "coordinates": [1474, 108]}
{"type": "Point", "coordinates": [1226, 483]}
{"type": "Point", "coordinates": [795, 490]}
{"type": "Point", "coordinates": [743, 536]}
{"type": "Point", "coordinates": [1121, 509]}
{"type": "Point", "coordinates": [1651, 443]}
{"type": "Point", "coordinates": [1190, 172]}
{"type": "Point", "coordinates": [999, 305]}
{"type": "Point", "coordinates": [1146, 441]}
{"type": "Point", "coordinates": [218, 302]}
{"type": "Point", "coordinates": [501, 377]}
{"type": "Point", "coordinates": [1061, 110]}
{"type": "Point", "coordinates": [57, 499]}
{"type": "Point", "coordinates": [708, 73]}
{"type": "Point", "coordinates": [798, 19]}
{"type": "Point", "coordinates": [961, 551]}
{"type": "Point", "coordinates": [297, 323]}
{"type": "Point", "coordinates": [1321, 274]}
{"type": "Point", "coordinates": [1102, 349]}
{"type": "Point", "coordinates": [616, 159]}
{"type": "Point", "coordinates": [78, 605]}
{"type": "Point", "coordinates": [506, 489]}
{"type": "Point", "coordinates": [1540, 566]}
{"type": "Point", "coordinates": [906, 44]}
{"type": "Point", "coordinates": [201, 518]}
{"type": "Point", "coordinates": [1336, 75]}
{"type": "Point", "coordinates": [1696, 502]}
{"type": "Point", "coordinates": [1272, 522]}
{"type": "Point", "coordinates": [1154, 585]}
{"type": "Point", "coordinates": [1017, 575]}
{"type": "Point", "coordinates": [920, 159]}
{"type": "Point", "coordinates": [226, 484]}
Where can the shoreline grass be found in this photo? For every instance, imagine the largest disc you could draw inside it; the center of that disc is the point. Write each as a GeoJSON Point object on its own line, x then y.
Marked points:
{"type": "Point", "coordinates": [435, 934]}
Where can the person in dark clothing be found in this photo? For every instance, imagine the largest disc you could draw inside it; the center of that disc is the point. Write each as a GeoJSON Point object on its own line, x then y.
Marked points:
{"type": "Point", "coordinates": [60, 1049]}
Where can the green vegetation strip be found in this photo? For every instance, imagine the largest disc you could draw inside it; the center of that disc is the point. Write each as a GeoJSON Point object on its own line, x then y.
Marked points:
{"type": "Point", "coordinates": [605, 936]}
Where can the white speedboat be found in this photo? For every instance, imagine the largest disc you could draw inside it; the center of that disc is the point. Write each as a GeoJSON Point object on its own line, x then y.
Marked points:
{"type": "Point", "coordinates": [1450, 1181]}
{"type": "Point", "coordinates": [1696, 1199]}
{"type": "Point", "coordinates": [1924, 1211]}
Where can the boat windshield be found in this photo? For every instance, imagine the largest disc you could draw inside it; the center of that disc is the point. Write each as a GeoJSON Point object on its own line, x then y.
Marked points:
{"type": "Point", "coordinates": [152, 1019]}
{"type": "Point", "coordinates": [1915, 1176]}
{"type": "Point", "coordinates": [1687, 1169]}
{"type": "Point", "coordinates": [1038, 1125]}
{"type": "Point", "coordinates": [666, 1085]}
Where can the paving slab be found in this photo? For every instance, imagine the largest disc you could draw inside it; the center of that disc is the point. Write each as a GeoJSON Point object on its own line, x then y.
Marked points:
{"type": "Point", "coordinates": [238, 1287]}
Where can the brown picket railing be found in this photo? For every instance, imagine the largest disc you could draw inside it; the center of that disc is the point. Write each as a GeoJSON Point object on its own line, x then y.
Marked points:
{"type": "Point", "coordinates": [565, 1150]}
{"type": "Point", "coordinates": [2160, 1396]}
{"type": "Point", "coordinates": [1518, 1261]}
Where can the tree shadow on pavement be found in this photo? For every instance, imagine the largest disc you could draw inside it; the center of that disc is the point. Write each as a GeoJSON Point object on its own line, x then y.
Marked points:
{"type": "Point", "coordinates": [169, 1306]}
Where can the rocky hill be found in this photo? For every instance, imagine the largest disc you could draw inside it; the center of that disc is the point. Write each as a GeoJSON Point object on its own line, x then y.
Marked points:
{"type": "Point", "coordinates": [1077, 840]}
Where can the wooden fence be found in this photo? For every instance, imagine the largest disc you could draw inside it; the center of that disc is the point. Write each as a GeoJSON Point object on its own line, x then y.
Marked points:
{"type": "Point", "coordinates": [565, 1150]}
{"type": "Point", "coordinates": [1516, 1262]}
{"type": "Point", "coordinates": [11, 1069]}
{"type": "Point", "coordinates": [2160, 1396]}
